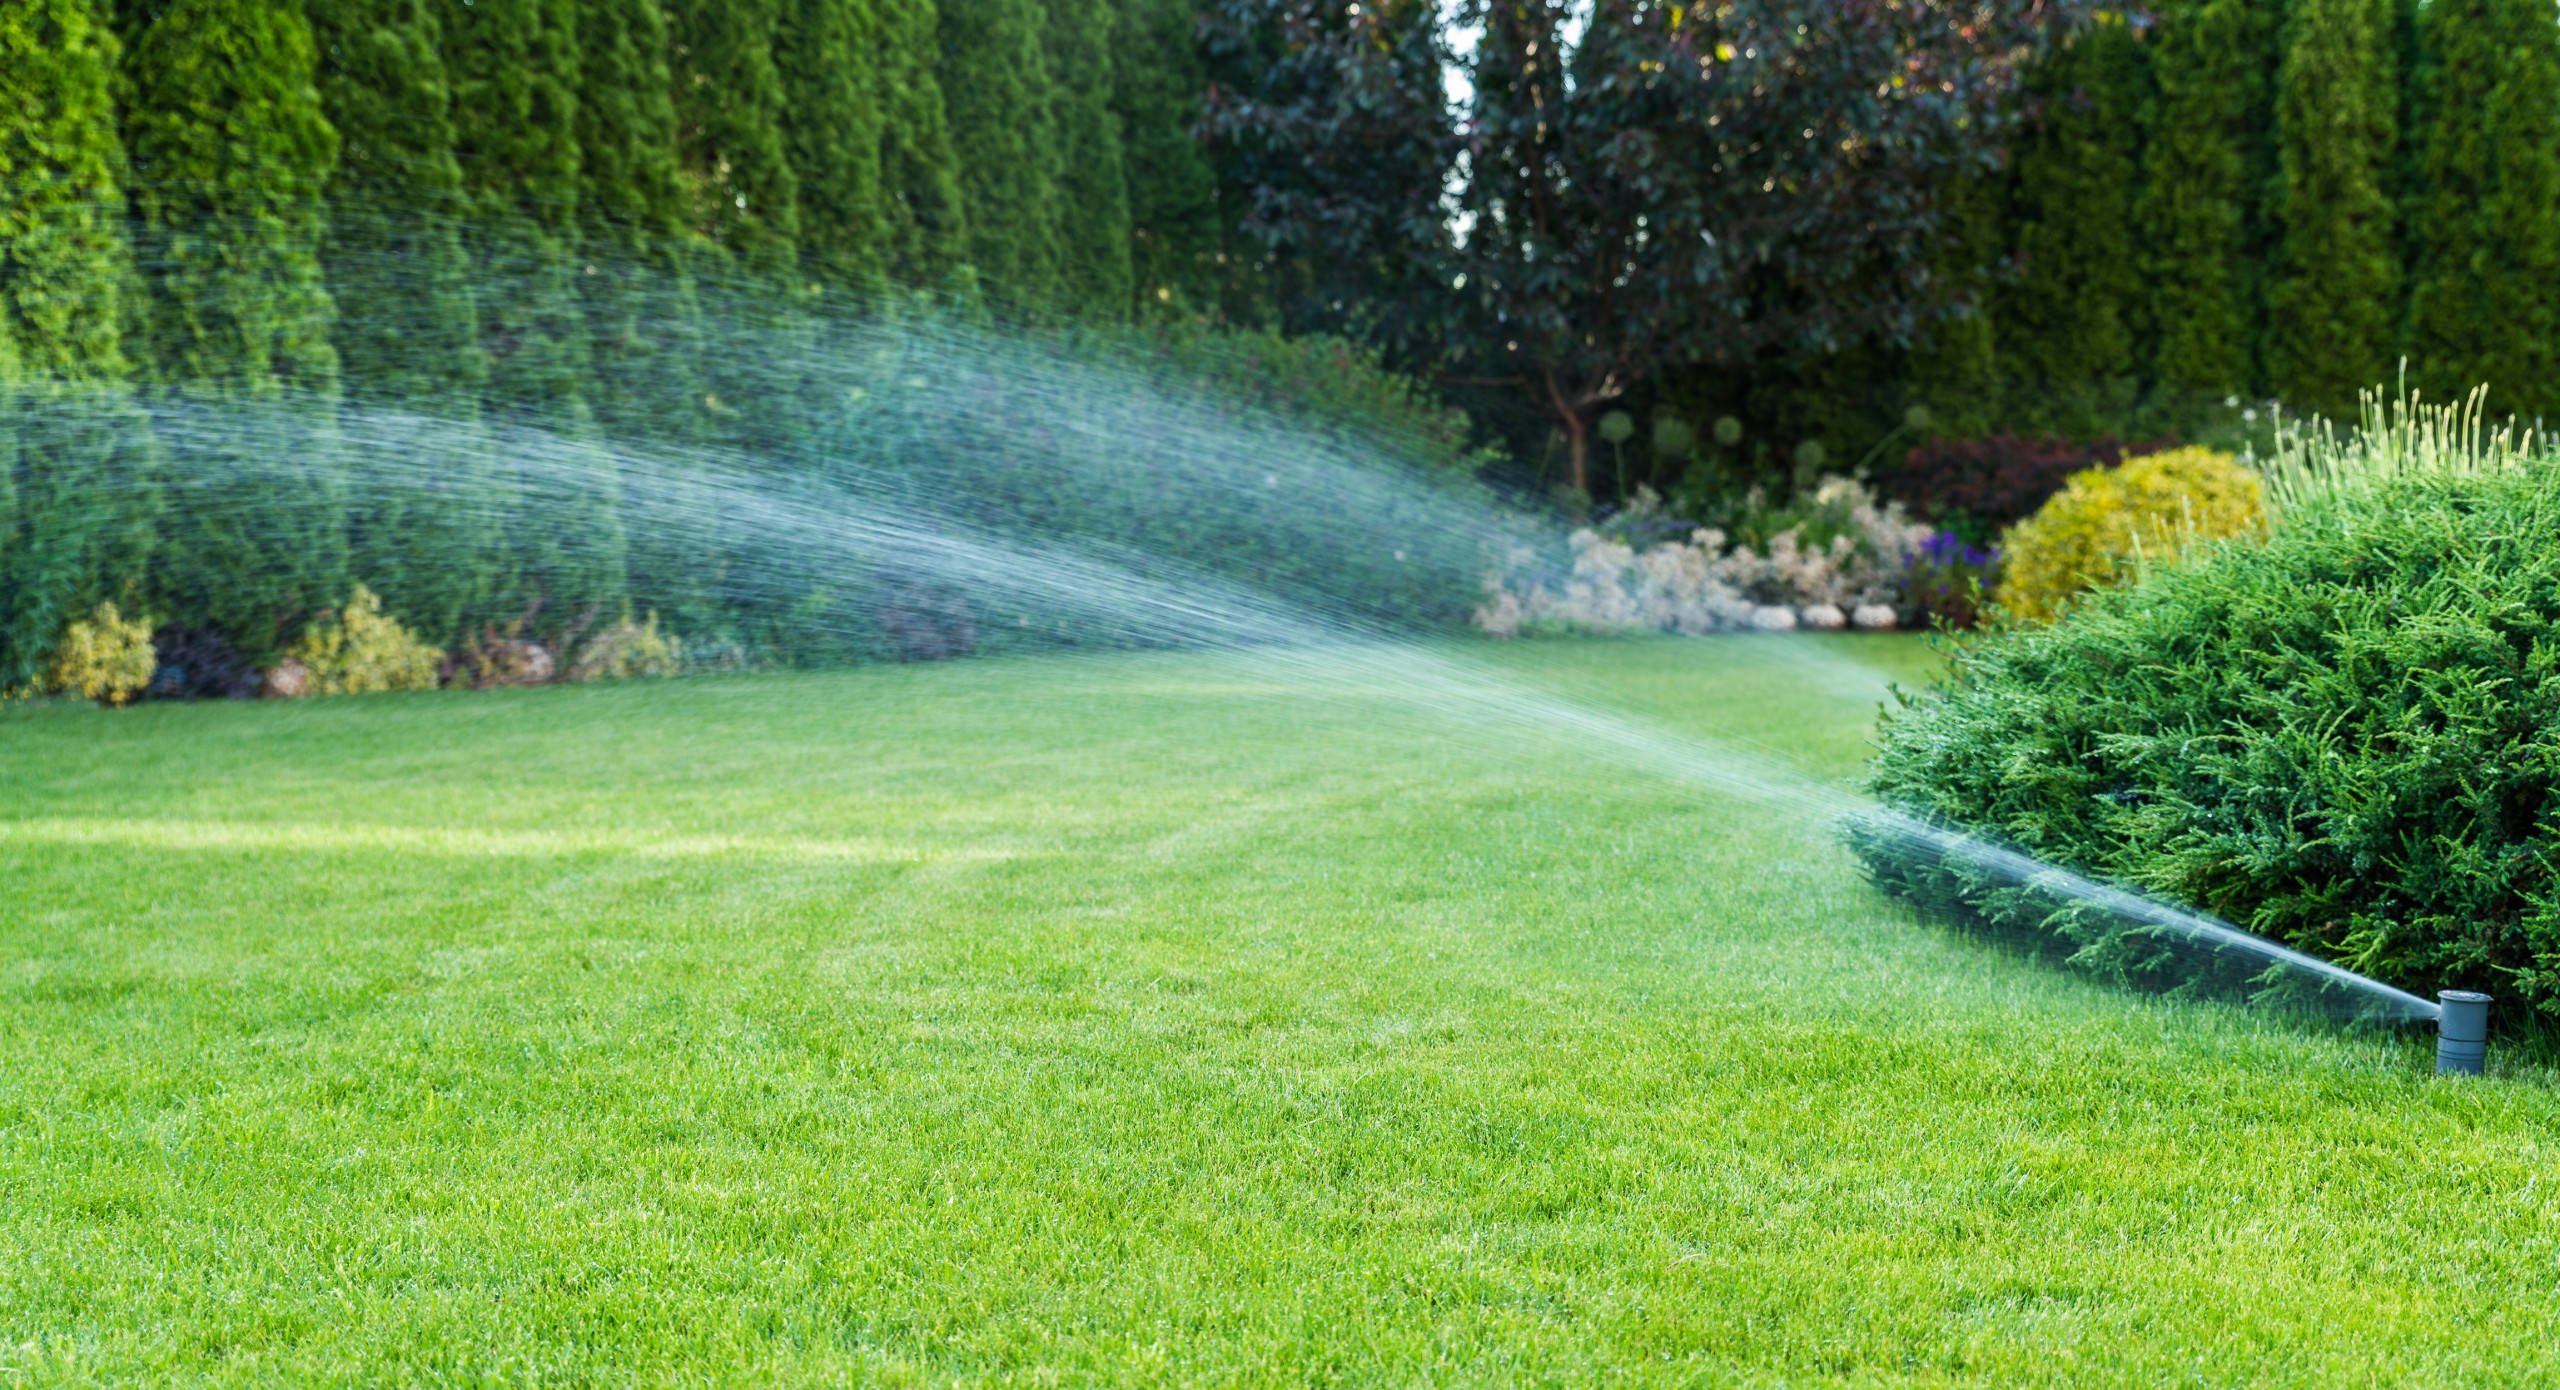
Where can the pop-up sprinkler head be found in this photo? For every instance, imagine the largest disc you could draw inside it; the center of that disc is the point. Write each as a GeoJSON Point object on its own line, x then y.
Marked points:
{"type": "Point", "coordinates": [2462, 1032]}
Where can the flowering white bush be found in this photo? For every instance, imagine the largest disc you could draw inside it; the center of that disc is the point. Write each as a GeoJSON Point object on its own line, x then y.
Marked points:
{"type": "Point", "coordinates": [1702, 584]}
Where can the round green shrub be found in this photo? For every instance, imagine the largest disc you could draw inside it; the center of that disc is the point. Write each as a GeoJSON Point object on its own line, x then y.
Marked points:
{"type": "Point", "coordinates": [2346, 739]}
{"type": "Point", "coordinates": [2096, 531]}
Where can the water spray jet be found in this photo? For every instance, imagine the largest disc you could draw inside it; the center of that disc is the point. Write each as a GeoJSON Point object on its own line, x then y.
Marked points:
{"type": "Point", "coordinates": [2462, 1032]}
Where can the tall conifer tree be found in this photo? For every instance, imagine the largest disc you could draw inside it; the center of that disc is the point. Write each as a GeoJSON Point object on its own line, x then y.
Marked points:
{"type": "Point", "coordinates": [2213, 62]}
{"type": "Point", "coordinates": [644, 308]}
{"type": "Point", "coordinates": [1173, 188]}
{"type": "Point", "coordinates": [927, 220]}
{"type": "Point", "coordinates": [729, 100]}
{"type": "Point", "coordinates": [1955, 365]}
{"type": "Point", "coordinates": [828, 54]}
{"type": "Point", "coordinates": [76, 493]}
{"type": "Point", "coordinates": [1002, 102]}
{"type": "Point", "coordinates": [2484, 233]}
{"type": "Point", "coordinates": [516, 76]}
{"type": "Point", "coordinates": [2334, 281]}
{"type": "Point", "coordinates": [230, 156]}
{"type": "Point", "coordinates": [408, 330]}
{"type": "Point", "coordinates": [1094, 270]}
{"type": "Point", "coordinates": [2065, 322]}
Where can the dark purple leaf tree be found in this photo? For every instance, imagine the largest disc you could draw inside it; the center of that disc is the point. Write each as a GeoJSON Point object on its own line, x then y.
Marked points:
{"type": "Point", "coordinates": [1618, 184]}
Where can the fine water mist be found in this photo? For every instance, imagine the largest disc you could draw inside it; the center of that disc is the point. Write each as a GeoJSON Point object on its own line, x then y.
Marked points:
{"type": "Point", "coordinates": [897, 482]}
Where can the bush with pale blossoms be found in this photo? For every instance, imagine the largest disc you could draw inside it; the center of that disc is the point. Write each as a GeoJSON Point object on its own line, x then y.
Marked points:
{"type": "Point", "coordinates": [1836, 554]}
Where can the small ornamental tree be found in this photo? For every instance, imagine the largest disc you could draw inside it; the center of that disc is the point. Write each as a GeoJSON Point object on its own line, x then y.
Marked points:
{"type": "Point", "coordinates": [826, 52]}
{"type": "Point", "coordinates": [1671, 183]}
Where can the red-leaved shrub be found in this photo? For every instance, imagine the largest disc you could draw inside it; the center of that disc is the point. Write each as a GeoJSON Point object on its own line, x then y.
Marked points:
{"type": "Point", "coordinates": [1979, 487]}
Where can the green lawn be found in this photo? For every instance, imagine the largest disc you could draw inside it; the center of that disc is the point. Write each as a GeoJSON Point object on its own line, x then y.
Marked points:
{"type": "Point", "coordinates": [1142, 1019]}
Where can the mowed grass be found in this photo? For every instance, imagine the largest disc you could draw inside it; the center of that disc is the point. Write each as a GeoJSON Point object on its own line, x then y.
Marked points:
{"type": "Point", "coordinates": [1147, 1020]}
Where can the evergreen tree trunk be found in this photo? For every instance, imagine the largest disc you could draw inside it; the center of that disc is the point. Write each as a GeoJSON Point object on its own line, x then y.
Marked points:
{"type": "Point", "coordinates": [2335, 280]}
{"type": "Point", "coordinates": [2214, 65]}
{"type": "Point", "coordinates": [230, 156]}
{"type": "Point", "coordinates": [408, 332]}
{"type": "Point", "coordinates": [2484, 233]}
{"type": "Point", "coordinates": [927, 226]}
{"type": "Point", "coordinates": [1002, 103]}
{"type": "Point", "coordinates": [516, 76]}
{"type": "Point", "coordinates": [1094, 270]}
{"type": "Point", "coordinates": [2066, 321]}
{"type": "Point", "coordinates": [78, 502]}
{"type": "Point", "coordinates": [1173, 188]}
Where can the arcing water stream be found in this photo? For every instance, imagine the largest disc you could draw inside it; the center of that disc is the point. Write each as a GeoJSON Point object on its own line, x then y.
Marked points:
{"type": "Point", "coordinates": [965, 461]}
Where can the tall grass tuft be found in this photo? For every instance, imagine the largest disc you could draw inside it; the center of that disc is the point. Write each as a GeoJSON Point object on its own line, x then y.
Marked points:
{"type": "Point", "coordinates": [2397, 436]}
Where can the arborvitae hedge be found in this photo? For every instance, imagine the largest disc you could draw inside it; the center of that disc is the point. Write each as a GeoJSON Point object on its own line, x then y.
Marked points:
{"type": "Point", "coordinates": [2335, 278]}
{"type": "Point", "coordinates": [2066, 320]}
{"type": "Point", "coordinates": [928, 224]}
{"type": "Point", "coordinates": [408, 331]}
{"type": "Point", "coordinates": [230, 156]}
{"type": "Point", "coordinates": [516, 79]}
{"type": "Point", "coordinates": [729, 113]}
{"type": "Point", "coordinates": [1955, 366]}
{"type": "Point", "coordinates": [827, 54]}
{"type": "Point", "coordinates": [2213, 64]}
{"type": "Point", "coordinates": [1002, 102]}
{"type": "Point", "coordinates": [646, 335]}
{"type": "Point", "coordinates": [1094, 267]}
{"type": "Point", "coordinates": [76, 503]}
{"type": "Point", "coordinates": [2484, 223]}
{"type": "Point", "coordinates": [1173, 187]}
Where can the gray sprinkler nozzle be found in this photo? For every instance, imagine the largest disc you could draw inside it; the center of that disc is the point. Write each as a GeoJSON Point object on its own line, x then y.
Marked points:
{"type": "Point", "coordinates": [2462, 1032]}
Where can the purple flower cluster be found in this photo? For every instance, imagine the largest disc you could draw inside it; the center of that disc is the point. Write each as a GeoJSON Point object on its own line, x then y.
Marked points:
{"type": "Point", "coordinates": [1946, 580]}
{"type": "Point", "coordinates": [1946, 549]}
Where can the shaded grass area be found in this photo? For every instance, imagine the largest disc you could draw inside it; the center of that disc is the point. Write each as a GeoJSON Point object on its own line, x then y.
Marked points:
{"type": "Point", "coordinates": [1146, 1019]}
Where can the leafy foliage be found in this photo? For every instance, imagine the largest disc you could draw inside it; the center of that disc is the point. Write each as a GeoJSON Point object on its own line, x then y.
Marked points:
{"type": "Point", "coordinates": [628, 650]}
{"type": "Point", "coordinates": [1981, 487]}
{"type": "Point", "coordinates": [2213, 65]}
{"type": "Point", "coordinates": [2335, 277]}
{"type": "Point", "coordinates": [2107, 525]}
{"type": "Point", "coordinates": [1674, 183]}
{"type": "Point", "coordinates": [77, 506]}
{"type": "Point", "coordinates": [1001, 97]}
{"type": "Point", "coordinates": [2346, 739]}
{"type": "Point", "coordinates": [2484, 233]}
{"type": "Point", "coordinates": [231, 153]}
{"type": "Point", "coordinates": [361, 650]}
{"type": "Point", "coordinates": [106, 658]}
{"type": "Point", "coordinates": [2066, 319]}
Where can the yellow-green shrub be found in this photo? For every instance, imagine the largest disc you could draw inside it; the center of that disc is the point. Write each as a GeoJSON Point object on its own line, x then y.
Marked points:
{"type": "Point", "coordinates": [2107, 522]}
{"type": "Point", "coordinates": [628, 649]}
{"type": "Point", "coordinates": [362, 650]}
{"type": "Point", "coordinates": [103, 658]}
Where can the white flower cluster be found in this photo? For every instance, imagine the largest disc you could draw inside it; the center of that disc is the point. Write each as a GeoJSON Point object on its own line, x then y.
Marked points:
{"type": "Point", "coordinates": [1702, 585]}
